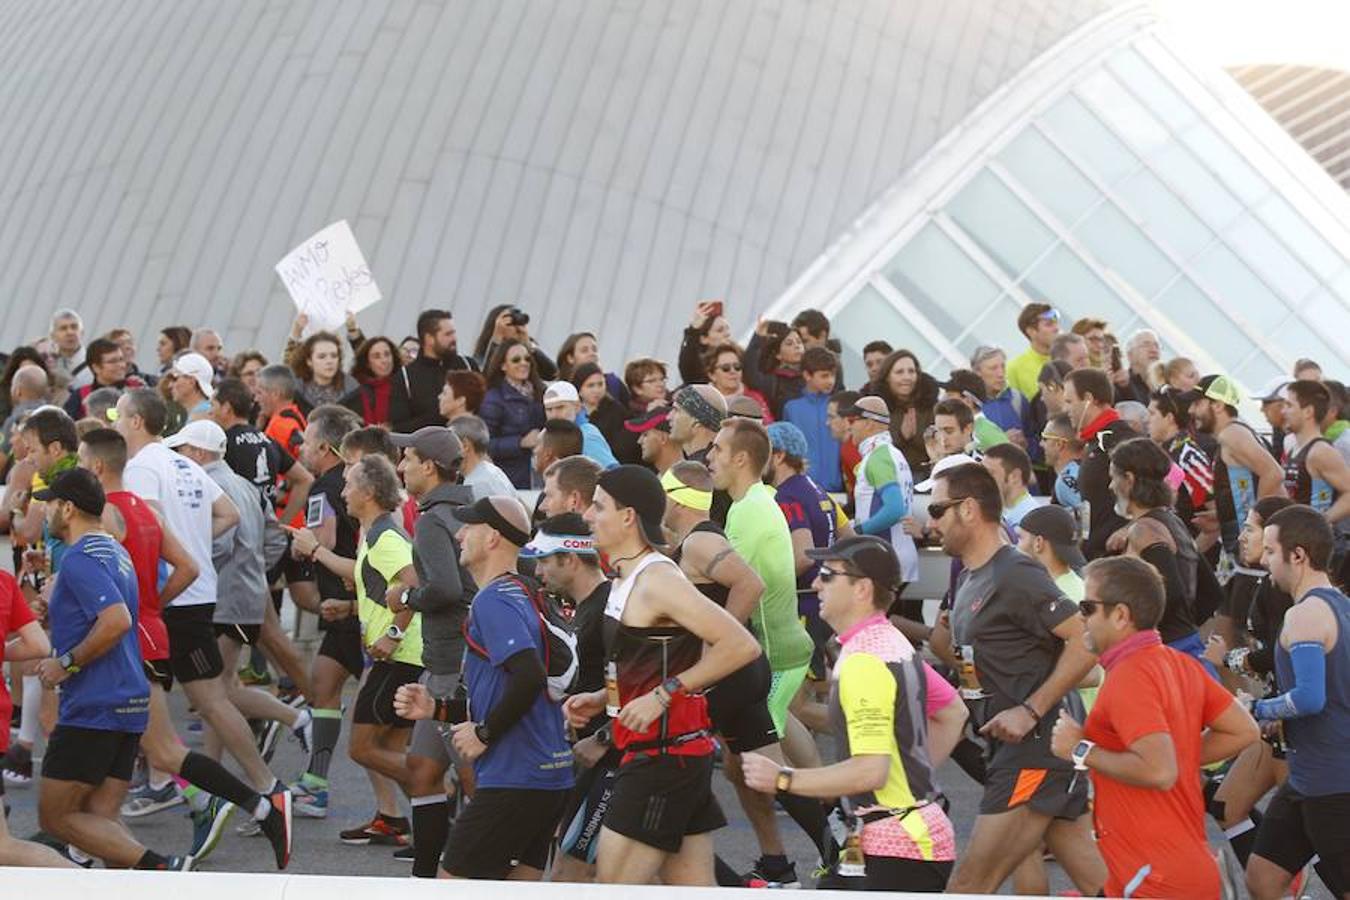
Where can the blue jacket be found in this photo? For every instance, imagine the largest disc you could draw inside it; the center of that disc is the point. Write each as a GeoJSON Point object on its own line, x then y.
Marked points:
{"type": "Point", "coordinates": [1011, 410]}
{"type": "Point", "coordinates": [593, 443]}
{"type": "Point", "coordinates": [807, 412]}
{"type": "Point", "coordinates": [509, 416]}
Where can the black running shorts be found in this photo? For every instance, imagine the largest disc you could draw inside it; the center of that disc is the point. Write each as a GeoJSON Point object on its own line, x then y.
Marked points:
{"type": "Point", "coordinates": [240, 634]}
{"type": "Point", "coordinates": [1045, 790]}
{"type": "Point", "coordinates": [344, 648]}
{"type": "Point", "coordinates": [194, 654]}
{"type": "Point", "coordinates": [657, 800]}
{"type": "Point", "coordinates": [739, 708]}
{"type": "Point", "coordinates": [89, 755]}
{"type": "Point", "coordinates": [1297, 827]}
{"type": "Point", "coordinates": [375, 703]}
{"type": "Point", "coordinates": [500, 829]}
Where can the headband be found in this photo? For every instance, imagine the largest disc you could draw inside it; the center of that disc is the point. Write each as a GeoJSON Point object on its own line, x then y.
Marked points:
{"type": "Point", "coordinates": [545, 544]}
{"type": "Point", "coordinates": [692, 402]}
{"type": "Point", "coordinates": [685, 495]}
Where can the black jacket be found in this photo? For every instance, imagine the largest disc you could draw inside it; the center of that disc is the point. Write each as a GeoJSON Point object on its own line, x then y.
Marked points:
{"type": "Point", "coordinates": [1094, 483]}
{"type": "Point", "coordinates": [424, 377]}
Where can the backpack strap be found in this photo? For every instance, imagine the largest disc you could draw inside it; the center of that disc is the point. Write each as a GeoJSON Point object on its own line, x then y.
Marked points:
{"type": "Point", "coordinates": [532, 594]}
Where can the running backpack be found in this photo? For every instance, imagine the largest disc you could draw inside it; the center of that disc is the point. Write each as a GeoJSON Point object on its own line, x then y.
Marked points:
{"type": "Point", "coordinates": [560, 643]}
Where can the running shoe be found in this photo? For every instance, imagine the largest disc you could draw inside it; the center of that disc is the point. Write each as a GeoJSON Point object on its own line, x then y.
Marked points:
{"type": "Point", "coordinates": [208, 825]}
{"type": "Point", "coordinates": [180, 864]}
{"type": "Point", "coordinates": [309, 802]}
{"type": "Point", "coordinates": [251, 677]}
{"type": "Point", "coordinates": [766, 875]}
{"type": "Point", "coordinates": [277, 826]}
{"type": "Point", "coordinates": [147, 800]}
{"type": "Point", "coordinates": [378, 830]}
{"type": "Point", "coordinates": [18, 767]}
{"type": "Point", "coordinates": [251, 828]}
{"type": "Point", "coordinates": [406, 854]}
{"type": "Point", "coordinates": [267, 742]}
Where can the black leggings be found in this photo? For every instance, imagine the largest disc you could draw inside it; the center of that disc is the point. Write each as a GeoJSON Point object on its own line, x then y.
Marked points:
{"type": "Point", "coordinates": [888, 873]}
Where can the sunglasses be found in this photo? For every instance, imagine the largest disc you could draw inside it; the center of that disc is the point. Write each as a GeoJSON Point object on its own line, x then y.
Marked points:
{"type": "Point", "coordinates": [1049, 316]}
{"type": "Point", "coordinates": [938, 510]}
{"type": "Point", "coordinates": [1088, 607]}
{"type": "Point", "coordinates": [729, 367]}
{"type": "Point", "coordinates": [517, 359]}
{"type": "Point", "coordinates": [1046, 437]}
{"type": "Point", "coordinates": [827, 574]}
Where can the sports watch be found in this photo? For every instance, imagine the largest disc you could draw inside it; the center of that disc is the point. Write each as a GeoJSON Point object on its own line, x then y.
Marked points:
{"type": "Point", "coordinates": [67, 662]}
{"type": "Point", "coordinates": [783, 783]}
{"type": "Point", "coordinates": [394, 633]}
{"type": "Point", "coordinates": [1080, 754]}
{"type": "Point", "coordinates": [483, 733]}
{"type": "Point", "coordinates": [672, 686]}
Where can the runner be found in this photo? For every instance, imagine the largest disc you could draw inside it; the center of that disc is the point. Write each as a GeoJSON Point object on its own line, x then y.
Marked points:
{"type": "Point", "coordinates": [1019, 643]}
{"type": "Point", "coordinates": [662, 811]}
{"type": "Point", "coordinates": [508, 727]}
{"type": "Point", "coordinates": [879, 703]}
{"type": "Point", "coordinates": [1157, 719]}
{"type": "Point", "coordinates": [1310, 815]}
{"type": "Point", "coordinates": [1316, 474]}
{"type": "Point", "coordinates": [1169, 426]}
{"type": "Point", "coordinates": [1087, 398]}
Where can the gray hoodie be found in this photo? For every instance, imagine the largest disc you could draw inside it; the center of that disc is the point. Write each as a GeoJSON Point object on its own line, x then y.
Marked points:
{"type": "Point", "coordinates": [445, 591]}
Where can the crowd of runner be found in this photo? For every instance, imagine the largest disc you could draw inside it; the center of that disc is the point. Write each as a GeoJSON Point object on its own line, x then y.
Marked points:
{"type": "Point", "coordinates": [566, 594]}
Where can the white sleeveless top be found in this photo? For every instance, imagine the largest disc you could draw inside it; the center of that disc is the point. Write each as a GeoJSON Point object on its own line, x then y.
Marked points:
{"type": "Point", "coordinates": [621, 588]}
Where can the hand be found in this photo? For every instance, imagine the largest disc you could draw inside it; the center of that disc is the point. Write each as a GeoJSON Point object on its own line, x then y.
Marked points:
{"type": "Point", "coordinates": [760, 772]}
{"type": "Point", "coordinates": [1246, 701]}
{"type": "Point", "coordinates": [910, 526]}
{"type": "Point", "coordinates": [762, 328]}
{"type": "Point", "coordinates": [333, 610]}
{"type": "Point", "coordinates": [1010, 726]}
{"type": "Point", "coordinates": [1270, 728]}
{"type": "Point", "coordinates": [298, 326]}
{"type": "Point", "coordinates": [530, 439]}
{"type": "Point", "coordinates": [1066, 736]}
{"type": "Point", "coordinates": [50, 672]}
{"type": "Point", "coordinates": [466, 741]}
{"type": "Point", "coordinates": [581, 708]}
{"type": "Point", "coordinates": [350, 321]}
{"type": "Point", "coordinates": [36, 562]}
{"type": "Point", "coordinates": [1215, 650]}
{"type": "Point", "coordinates": [393, 598]}
{"type": "Point", "coordinates": [588, 751]}
{"type": "Point", "coordinates": [1015, 436]}
{"type": "Point", "coordinates": [304, 544]}
{"type": "Point", "coordinates": [909, 424]}
{"type": "Point", "coordinates": [642, 711]}
{"type": "Point", "coordinates": [414, 701]}
{"type": "Point", "coordinates": [384, 648]}
{"type": "Point", "coordinates": [702, 311]}
{"type": "Point", "coordinates": [1119, 539]}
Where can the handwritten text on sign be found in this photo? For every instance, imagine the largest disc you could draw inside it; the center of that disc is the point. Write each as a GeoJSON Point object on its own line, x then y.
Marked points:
{"type": "Point", "coordinates": [327, 277]}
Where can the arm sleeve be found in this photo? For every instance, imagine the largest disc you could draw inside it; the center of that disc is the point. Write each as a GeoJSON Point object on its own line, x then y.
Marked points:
{"type": "Point", "coordinates": [525, 681]}
{"type": "Point", "coordinates": [1309, 694]}
{"type": "Point", "coordinates": [441, 587]}
{"type": "Point", "coordinates": [892, 510]}
{"type": "Point", "coordinates": [867, 697]}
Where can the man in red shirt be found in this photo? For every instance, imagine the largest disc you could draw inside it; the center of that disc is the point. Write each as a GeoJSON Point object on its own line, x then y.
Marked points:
{"type": "Point", "coordinates": [30, 642]}
{"type": "Point", "coordinates": [1158, 718]}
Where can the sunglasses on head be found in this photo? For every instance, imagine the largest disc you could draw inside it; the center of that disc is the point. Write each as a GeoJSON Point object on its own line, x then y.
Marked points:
{"type": "Point", "coordinates": [939, 509]}
{"type": "Point", "coordinates": [1051, 315]}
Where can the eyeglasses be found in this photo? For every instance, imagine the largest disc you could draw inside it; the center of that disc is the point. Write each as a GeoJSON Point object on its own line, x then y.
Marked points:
{"type": "Point", "coordinates": [729, 367]}
{"type": "Point", "coordinates": [827, 574]}
{"type": "Point", "coordinates": [939, 509]}
{"type": "Point", "coordinates": [1087, 607]}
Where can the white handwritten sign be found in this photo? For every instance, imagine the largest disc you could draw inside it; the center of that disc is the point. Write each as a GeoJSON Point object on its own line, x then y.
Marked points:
{"type": "Point", "coordinates": [327, 277]}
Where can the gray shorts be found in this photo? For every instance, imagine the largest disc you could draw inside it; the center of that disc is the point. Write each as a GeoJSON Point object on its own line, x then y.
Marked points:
{"type": "Point", "coordinates": [431, 739]}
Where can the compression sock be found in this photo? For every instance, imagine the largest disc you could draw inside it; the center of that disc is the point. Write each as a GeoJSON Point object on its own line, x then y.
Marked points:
{"type": "Point", "coordinates": [1242, 837]}
{"type": "Point", "coordinates": [431, 830]}
{"type": "Point", "coordinates": [810, 816]}
{"type": "Point", "coordinates": [152, 861]}
{"type": "Point", "coordinates": [327, 730]}
{"type": "Point", "coordinates": [212, 777]}
{"type": "Point", "coordinates": [197, 799]}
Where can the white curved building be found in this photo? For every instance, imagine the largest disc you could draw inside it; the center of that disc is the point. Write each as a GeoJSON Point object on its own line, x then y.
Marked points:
{"type": "Point", "coordinates": [916, 168]}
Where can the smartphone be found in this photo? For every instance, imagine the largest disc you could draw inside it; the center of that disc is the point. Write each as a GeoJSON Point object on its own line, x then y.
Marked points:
{"type": "Point", "coordinates": [714, 309]}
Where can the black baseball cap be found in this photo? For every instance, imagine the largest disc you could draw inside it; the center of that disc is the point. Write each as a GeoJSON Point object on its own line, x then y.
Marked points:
{"type": "Point", "coordinates": [79, 486]}
{"type": "Point", "coordinates": [652, 418]}
{"type": "Point", "coordinates": [506, 514]}
{"type": "Point", "coordinates": [870, 557]}
{"type": "Point", "coordinates": [1056, 525]}
{"type": "Point", "coordinates": [638, 488]}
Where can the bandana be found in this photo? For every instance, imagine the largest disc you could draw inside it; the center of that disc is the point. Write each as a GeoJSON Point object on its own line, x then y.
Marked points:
{"type": "Point", "coordinates": [707, 415]}
{"type": "Point", "coordinates": [1132, 644]}
{"type": "Point", "coordinates": [684, 495]}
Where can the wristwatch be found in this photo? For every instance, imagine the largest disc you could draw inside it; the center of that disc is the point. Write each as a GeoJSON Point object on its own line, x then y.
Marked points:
{"type": "Point", "coordinates": [394, 633]}
{"type": "Point", "coordinates": [67, 662]}
{"type": "Point", "coordinates": [483, 733]}
{"type": "Point", "coordinates": [1080, 754]}
{"type": "Point", "coordinates": [672, 686]}
{"type": "Point", "coordinates": [783, 783]}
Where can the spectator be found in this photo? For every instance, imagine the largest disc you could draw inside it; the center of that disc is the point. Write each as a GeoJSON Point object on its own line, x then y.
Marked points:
{"type": "Point", "coordinates": [281, 417]}
{"type": "Point", "coordinates": [1143, 352]}
{"type": "Point", "coordinates": [646, 381]}
{"type": "Point", "coordinates": [317, 363]}
{"type": "Point", "coordinates": [849, 457]}
{"type": "Point", "coordinates": [582, 348]}
{"type": "Point", "coordinates": [513, 408]}
{"type": "Point", "coordinates": [438, 355]}
{"type": "Point", "coordinates": [124, 339]}
{"type": "Point", "coordinates": [1087, 395]}
{"type": "Point", "coordinates": [1135, 415]}
{"type": "Point", "coordinates": [964, 386]}
{"type": "Point", "coordinates": [510, 323]}
{"type": "Point", "coordinates": [1011, 468]}
{"type": "Point", "coordinates": [67, 363]}
{"type": "Point", "coordinates": [97, 404]}
{"type": "Point", "coordinates": [172, 341]}
{"type": "Point", "coordinates": [810, 413]}
{"type": "Point", "coordinates": [1307, 370]}
{"type": "Point", "coordinates": [1004, 406]}
{"type": "Point", "coordinates": [560, 439]}
{"type": "Point", "coordinates": [1093, 331]}
{"type": "Point", "coordinates": [874, 354]}
{"type": "Point", "coordinates": [408, 349]}
{"type": "Point", "coordinates": [190, 385]}
{"type": "Point", "coordinates": [773, 361]}
{"type": "Point", "coordinates": [561, 401]}
{"type": "Point", "coordinates": [909, 394]}
{"type": "Point", "coordinates": [604, 412]}
{"type": "Point", "coordinates": [21, 357]}
{"type": "Point", "coordinates": [28, 389]}
{"type": "Point", "coordinates": [1069, 348]}
{"type": "Point", "coordinates": [245, 366]}
{"type": "Point", "coordinates": [109, 369]}
{"type": "Point", "coordinates": [724, 368]}
{"type": "Point", "coordinates": [477, 468]}
{"type": "Point", "coordinates": [708, 329]}
{"type": "Point", "coordinates": [206, 342]}
{"type": "Point", "coordinates": [462, 394]}
{"type": "Point", "coordinates": [381, 395]}
{"type": "Point", "coordinates": [1039, 323]}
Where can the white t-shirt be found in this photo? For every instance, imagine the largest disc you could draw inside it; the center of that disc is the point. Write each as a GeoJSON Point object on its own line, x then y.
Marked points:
{"type": "Point", "coordinates": [488, 480]}
{"type": "Point", "coordinates": [184, 494]}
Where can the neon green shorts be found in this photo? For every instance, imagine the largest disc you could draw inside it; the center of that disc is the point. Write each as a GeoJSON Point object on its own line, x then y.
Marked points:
{"type": "Point", "coordinates": [782, 688]}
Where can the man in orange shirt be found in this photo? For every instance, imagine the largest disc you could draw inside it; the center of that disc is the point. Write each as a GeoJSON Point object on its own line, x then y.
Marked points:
{"type": "Point", "coordinates": [1146, 739]}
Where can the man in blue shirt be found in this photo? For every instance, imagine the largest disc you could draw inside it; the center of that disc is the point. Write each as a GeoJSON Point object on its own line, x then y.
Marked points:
{"type": "Point", "coordinates": [105, 697]}
{"type": "Point", "coordinates": [507, 727]}
{"type": "Point", "coordinates": [809, 413]}
{"type": "Point", "coordinates": [561, 401]}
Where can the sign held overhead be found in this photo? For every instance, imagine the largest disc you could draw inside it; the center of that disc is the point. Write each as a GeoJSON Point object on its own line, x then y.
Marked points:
{"type": "Point", "coordinates": [328, 277]}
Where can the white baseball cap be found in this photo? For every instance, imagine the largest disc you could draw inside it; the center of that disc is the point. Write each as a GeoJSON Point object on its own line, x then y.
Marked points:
{"type": "Point", "coordinates": [195, 366]}
{"type": "Point", "coordinates": [942, 465]}
{"type": "Point", "coordinates": [202, 434]}
{"type": "Point", "coordinates": [560, 392]}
